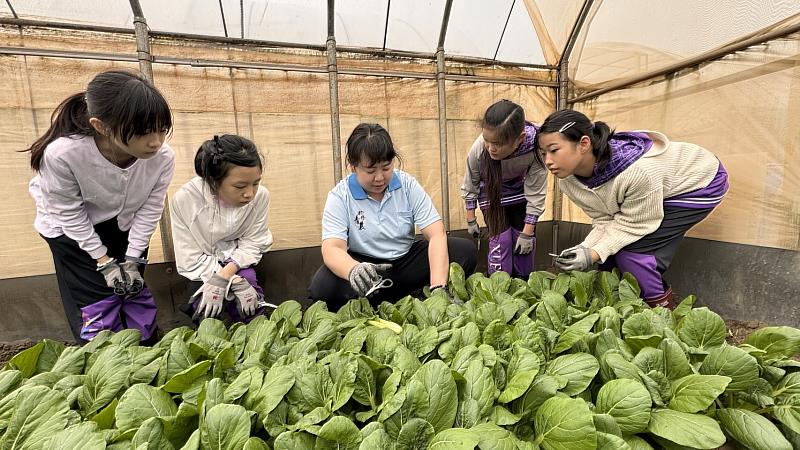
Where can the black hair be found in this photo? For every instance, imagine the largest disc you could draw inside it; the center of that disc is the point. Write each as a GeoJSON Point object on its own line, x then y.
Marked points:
{"type": "Point", "coordinates": [216, 156]}
{"type": "Point", "coordinates": [508, 120]}
{"type": "Point", "coordinates": [124, 101]}
{"type": "Point", "coordinates": [370, 143]}
{"type": "Point", "coordinates": [575, 125]}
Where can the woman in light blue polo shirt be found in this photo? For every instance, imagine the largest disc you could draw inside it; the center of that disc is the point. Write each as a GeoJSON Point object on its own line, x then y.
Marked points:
{"type": "Point", "coordinates": [368, 229]}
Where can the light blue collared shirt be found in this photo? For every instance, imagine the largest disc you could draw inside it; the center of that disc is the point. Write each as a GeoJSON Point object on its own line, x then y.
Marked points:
{"type": "Point", "coordinates": [381, 229]}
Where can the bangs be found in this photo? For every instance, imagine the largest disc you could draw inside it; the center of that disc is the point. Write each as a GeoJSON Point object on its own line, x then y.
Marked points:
{"type": "Point", "coordinates": [142, 110]}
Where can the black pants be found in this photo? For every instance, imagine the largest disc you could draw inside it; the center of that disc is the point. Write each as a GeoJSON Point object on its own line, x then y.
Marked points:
{"type": "Point", "coordinates": [409, 273]}
{"type": "Point", "coordinates": [79, 282]}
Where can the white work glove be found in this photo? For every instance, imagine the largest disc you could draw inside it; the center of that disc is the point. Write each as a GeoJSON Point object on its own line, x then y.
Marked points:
{"type": "Point", "coordinates": [525, 244]}
{"type": "Point", "coordinates": [363, 276]}
{"type": "Point", "coordinates": [135, 280]}
{"type": "Point", "coordinates": [213, 294]}
{"type": "Point", "coordinates": [575, 258]}
{"type": "Point", "coordinates": [473, 228]}
{"type": "Point", "coordinates": [114, 276]}
{"type": "Point", "coordinates": [245, 295]}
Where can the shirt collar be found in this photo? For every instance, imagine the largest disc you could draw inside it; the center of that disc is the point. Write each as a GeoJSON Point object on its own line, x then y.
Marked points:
{"type": "Point", "coordinates": [359, 193]}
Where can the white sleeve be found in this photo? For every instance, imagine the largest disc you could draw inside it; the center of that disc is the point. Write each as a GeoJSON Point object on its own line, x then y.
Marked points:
{"type": "Point", "coordinates": [258, 238]}
{"type": "Point", "coordinates": [147, 217]}
{"type": "Point", "coordinates": [190, 260]}
{"type": "Point", "coordinates": [62, 196]}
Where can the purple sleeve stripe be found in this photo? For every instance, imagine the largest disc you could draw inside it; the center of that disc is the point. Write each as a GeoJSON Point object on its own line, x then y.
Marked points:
{"type": "Point", "coordinates": [531, 219]}
{"type": "Point", "coordinates": [472, 204]}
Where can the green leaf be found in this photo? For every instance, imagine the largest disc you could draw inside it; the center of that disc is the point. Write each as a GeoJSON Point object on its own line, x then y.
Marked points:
{"type": "Point", "coordinates": [186, 379]}
{"type": "Point", "coordinates": [454, 439]}
{"type": "Point", "coordinates": [732, 362]}
{"type": "Point", "coordinates": [552, 310]}
{"type": "Point", "coordinates": [628, 402]}
{"type": "Point", "coordinates": [439, 388]}
{"type": "Point", "coordinates": [150, 436]}
{"type": "Point", "coordinates": [38, 413]}
{"type": "Point", "coordinates": [49, 355]}
{"type": "Point", "coordinates": [752, 430]}
{"type": "Point", "coordinates": [476, 395]}
{"type": "Point", "coordinates": [579, 369]}
{"type": "Point", "coordinates": [71, 360]}
{"type": "Point", "coordinates": [788, 412]}
{"type": "Point", "coordinates": [177, 359]}
{"type": "Point", "coordinates": [493, 437]}
{"type": "Point", "coordinates": [637, 443]}
{"type": "Point", "coordinates": [415, 434]}
{"type": "Point", "coordinates": [104, 379]}
{"type": "Point", "coordinates": [226, 427]}
{"type": "Point", "coordinates": [26, 360]}
{"type": "Point", "coordinates": [522, 369]}
{"type": "Point", "coordinates": [694, 393]}
{"type": "Point", "coordinates": [9, 380]}
{"type": "Point", "coordinates": [338, 433]}
{"type": "Point", "coordinates": [277, 382]}
{"type": "Point", "coordinates": [574, 333]}
{"type": "Point", "coordinates": [140, 403]}
{"type": "Point", "coordinates": [606, 441]}
{"type": "Point", "coordinates": [126, 338]}
{"type": "Point", "coordinates": [79, 436]}
{"type": "Point", "coordinates": [343, 369]}
{"type": "Point", "coordinates": [375, 437]}
{"type": "Point", "coordinates": [104, 419]}
{"type": "Point", "coordinates": [701, 328]}
{"type": "Point", "coordinates": [789, 385]}
{"type": "Point", "coordinates": [565, 424]}
{"type": "Point", "coordinates": [676, 364]}
{"type": "Point", "coordinates": [690, 430]}
{"type": "Point", "coordinates": [294, 440]}
{"type": "Point", "coordinates": [255, 443]}
{"type": "Point", "coordinates": [777, 342]}
{"type": "Point", "coordinates": [456, 282]}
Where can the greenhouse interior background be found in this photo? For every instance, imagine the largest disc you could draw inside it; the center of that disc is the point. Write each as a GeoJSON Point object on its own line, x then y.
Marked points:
{"type": "Point", "coordinates": [296, 76]}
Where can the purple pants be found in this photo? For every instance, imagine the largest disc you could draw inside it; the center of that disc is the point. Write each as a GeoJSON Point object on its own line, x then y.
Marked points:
{"type": "Point", "coordinates": [248, 274]}
{"type": "Point", "coordinates": [501, 255]}
{"type": "Point", "coordinates": [138, 312]}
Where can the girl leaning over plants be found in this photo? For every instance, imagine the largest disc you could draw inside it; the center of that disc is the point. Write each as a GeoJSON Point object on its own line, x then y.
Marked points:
{"type": "Point", "coordinates": [219, 225]}
{"type": "Point", "coordinates": [102, 171]}
{"type": "Point", "coordinates": [642, 191]}
{"type": "Point", "coordinates": [505, 179]}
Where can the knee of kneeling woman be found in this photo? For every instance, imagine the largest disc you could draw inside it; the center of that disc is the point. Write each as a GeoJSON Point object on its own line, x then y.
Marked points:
{"type": "Point", "coordinates": [464, 252]}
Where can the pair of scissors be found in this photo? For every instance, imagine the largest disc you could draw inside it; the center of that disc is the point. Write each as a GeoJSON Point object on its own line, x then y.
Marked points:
{"type": "Point", "coordinates": [382, 283]}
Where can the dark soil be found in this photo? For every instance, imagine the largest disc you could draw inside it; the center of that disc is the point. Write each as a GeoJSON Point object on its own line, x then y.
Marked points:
{"type": "Point", "coordinates": [9, 349]}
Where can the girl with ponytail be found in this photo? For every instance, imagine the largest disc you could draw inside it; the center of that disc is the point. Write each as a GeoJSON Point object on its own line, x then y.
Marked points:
{"type": "Point", "coordinates": [509, 184]}
{"type": "Point", "coordinates": [642, 191]}
{"type": "Point", "coordinates": [219, 225]}
{"type": "Point", "coordinates": [102, 171]}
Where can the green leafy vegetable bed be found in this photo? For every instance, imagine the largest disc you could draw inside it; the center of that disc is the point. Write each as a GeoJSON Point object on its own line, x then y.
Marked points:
{"type": "Point", "coordinates": [569, 362]}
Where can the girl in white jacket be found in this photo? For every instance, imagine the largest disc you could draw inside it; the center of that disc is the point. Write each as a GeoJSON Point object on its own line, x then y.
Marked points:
{"type": "Point", "coordinates": [219, 226]}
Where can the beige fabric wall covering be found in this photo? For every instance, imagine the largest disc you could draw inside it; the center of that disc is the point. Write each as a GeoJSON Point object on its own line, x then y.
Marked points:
{"type": "Point", "coordinates": [286, 113]}
{"type": "Point", "coordinates": [746, 109]}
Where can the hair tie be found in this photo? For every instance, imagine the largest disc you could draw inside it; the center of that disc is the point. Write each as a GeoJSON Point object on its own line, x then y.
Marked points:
{"type": "Point", "coordinates": [216, 151]}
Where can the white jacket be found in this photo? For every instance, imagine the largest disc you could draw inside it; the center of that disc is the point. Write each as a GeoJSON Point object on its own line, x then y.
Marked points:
{"type": "Point", "coordinates": [77, 188]}
{"type": "Point", "coordinates": [206, 233]}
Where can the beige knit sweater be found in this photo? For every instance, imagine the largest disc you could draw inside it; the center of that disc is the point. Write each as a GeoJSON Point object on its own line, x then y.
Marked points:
{"type": "Point", "coordinates": [630, 206]}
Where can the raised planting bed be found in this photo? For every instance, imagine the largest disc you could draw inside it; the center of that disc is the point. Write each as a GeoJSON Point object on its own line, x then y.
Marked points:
{"type": "Point", "coordinates": [555, 362]}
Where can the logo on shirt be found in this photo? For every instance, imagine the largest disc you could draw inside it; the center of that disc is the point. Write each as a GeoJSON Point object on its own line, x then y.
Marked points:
{"type": "Point", "coordinates": [360, 220]}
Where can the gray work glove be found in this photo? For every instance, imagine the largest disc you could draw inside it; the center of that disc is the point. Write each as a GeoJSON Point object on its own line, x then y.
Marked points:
{"type": "Point", "coordinates": [245, 295]}
{"type": "Point", "coordinates": [114, 276]}
{"type": "Point", "coordinates": [473, 228]}
{"type": "Point", "coordinates": [213, 294]}
{"type": "Point", "coordinates": [364, 275]}
{"type": "Point", "coordinates": [575, 258]}
{"type": "Point", "coordinates": [444, 292]}
{"type": "Point", "coordinates": [525, 244]}
{"type": "Point", "coordinates": [135, 280]}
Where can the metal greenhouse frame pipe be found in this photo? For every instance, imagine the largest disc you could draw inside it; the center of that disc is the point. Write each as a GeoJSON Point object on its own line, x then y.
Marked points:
{"type": "Point", "coordinates": [440, 84]}
{"type": "Point", "coordinates": [146, 66]}
{"type": "Point", "coordinates": [563, 94]}
{"type": "Point", "coordinates": [691, 62]}
{"type": "Point", "coordinates": [50, 53]}
{"type": "Point", "coordinates": [269, 44]}
{"type": "Point", "coordinates": [333, 85]}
